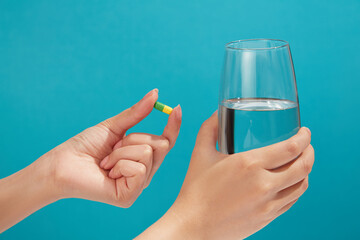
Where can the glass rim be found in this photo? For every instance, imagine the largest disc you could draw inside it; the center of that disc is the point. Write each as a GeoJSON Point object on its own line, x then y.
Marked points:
{"type": "Point", "coordinates": [228, 45]}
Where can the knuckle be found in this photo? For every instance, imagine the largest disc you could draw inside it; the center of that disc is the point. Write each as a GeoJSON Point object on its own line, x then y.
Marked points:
{"type": "Point", "coordinates": [307, 166]}
{"type": "Point", "coordinates": [164, 144]}
{"type": "Point", "coordinates": [305, 185]}
{"type": "Point", "coordinates": [248, 162]}
{"type": "Point", "coordinates": [141, 169]}
{"type": "Point", "coordinates": [266, 188]}
{"type": "Point", "coordinates": [104, 124]}
{"type": "Point", "coordinates": [130, 138]}
{"type": "Point", "coordinates": [293, 148]}
{"type": "Point", "coordinates": [136, 115]}
{"type": "Point", "coordinates": [82, 138]}
{"type": "Point", "coordinates": [147, 150]}
{"type": "Point", "coordinates": [239, 164]}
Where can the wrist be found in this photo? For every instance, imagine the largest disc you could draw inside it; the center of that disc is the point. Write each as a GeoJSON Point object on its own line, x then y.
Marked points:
{"type": "Point", "coordinates": [177, 223]}
{"type": "Point", "coordinates": [54, 180]}
{"type": "Point", "coordinates": [41, 180]}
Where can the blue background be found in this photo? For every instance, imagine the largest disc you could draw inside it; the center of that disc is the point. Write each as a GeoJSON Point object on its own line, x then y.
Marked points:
{"type": "Point", "coordinates": [67, 65]}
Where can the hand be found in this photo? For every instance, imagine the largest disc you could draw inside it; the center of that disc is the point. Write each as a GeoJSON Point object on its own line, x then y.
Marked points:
{"type": "Point", "coordinates": [137, 157]}
{"type": "Point", "coordinates": [143, 148]}
{"type": "Point", "coordinates": [75, 163]}
{"type": "Point", "coordinates": [72, 169]}
{"type": "Point", "coordinates": [233, 196]}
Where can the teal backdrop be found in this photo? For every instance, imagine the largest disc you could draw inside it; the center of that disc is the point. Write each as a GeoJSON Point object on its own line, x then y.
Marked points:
{"type": "Point", "coordinates": [67, 65]}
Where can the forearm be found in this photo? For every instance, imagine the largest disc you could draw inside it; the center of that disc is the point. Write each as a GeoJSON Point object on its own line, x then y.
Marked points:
{"type": "Point", "coordinates": [25, 192]}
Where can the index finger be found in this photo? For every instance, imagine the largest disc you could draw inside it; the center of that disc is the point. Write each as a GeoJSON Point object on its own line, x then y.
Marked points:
{"type": "Point", "coordinates": [281, 153]}
{"type": "Point", "coordinates": [120, 123]}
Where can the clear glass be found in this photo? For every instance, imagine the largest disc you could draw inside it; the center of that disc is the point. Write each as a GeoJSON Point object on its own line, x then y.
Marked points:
{"type": "Point", "coordinates": [258, 101]}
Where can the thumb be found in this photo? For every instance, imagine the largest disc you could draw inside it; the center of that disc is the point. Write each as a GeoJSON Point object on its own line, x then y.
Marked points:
{"type": "Point", "coordinates": [120, 123]}
{"type": "Point", "coordinates": [205, 153]}
{"type": "Point", "coordinates": [208, 134]}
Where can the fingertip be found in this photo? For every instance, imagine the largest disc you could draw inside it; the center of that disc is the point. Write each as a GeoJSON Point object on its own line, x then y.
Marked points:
{"type": "Point", "coordinates": [118, 145]}
{"type": "Point", "coordinates": [306, 133]}
{"type": "Point", "coordinates": [307, 130]}
{"type": "Point", "coordinates": [152, 93]}
{"type": "Point", "coordinates": [173, 125]}
{"type": "Point", "coordinates": [151, 97]}
{"type": "Point", "coordinates": [145, 105]}
{"type": "Point", "coordinates": [175, 116]}
{"type": "Point", "coordinates": [104, 161]}
{"type": "Point", "coordinates": [111, 174]}
{"type": "Point", "coordinates": [155, 94]}
{"type": "Point", "coordinates": [213, 117]}
{"type": "Point", "coordinates": [120, 123]}
{"type": "Point", "coordinates": [178, 112]}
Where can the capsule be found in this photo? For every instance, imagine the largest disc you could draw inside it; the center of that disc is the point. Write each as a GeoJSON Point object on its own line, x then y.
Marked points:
{"type": "Point", "coordinates": [163, 108]}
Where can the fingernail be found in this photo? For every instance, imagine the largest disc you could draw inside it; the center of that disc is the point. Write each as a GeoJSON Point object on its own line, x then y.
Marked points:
{"type": "Point", "coordinates": [156, 90]}
{"type": "Point", "coordinates": [104, 161]}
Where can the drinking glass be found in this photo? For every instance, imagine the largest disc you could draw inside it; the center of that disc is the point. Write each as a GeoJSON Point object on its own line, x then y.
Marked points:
{"type": "Point", "coordinates": [258, 101]}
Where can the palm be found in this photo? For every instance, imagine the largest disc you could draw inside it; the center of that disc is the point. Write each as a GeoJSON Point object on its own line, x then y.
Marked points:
{"type": "Point", "coordinates": [81, 165]}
